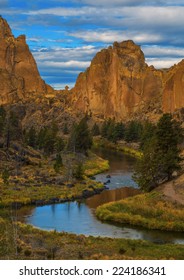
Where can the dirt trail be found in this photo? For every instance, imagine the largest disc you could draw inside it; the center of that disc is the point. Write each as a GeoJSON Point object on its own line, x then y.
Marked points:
{"type": "Point", "coordinates": [174, 190]}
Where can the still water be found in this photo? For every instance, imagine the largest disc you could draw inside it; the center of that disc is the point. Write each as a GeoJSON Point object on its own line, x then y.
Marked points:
{"type": "Point", "coordinates": [79, 217]}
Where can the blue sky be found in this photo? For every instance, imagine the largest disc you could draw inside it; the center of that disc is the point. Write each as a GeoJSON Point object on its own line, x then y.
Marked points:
{"type": "Point", "coordinates": [65, 35]}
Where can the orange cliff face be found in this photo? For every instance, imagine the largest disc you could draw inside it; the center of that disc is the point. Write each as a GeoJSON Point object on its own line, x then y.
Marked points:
{"type": "Point", "coordinates": [19, 76]}
{"type": "Point", "coordinates": [173, 92]}
{"type": "Point", "coordinates": [118, 83]}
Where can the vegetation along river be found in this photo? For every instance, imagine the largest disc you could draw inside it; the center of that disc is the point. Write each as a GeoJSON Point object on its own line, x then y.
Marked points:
{"type": "Point", "coordinates": [79, 217]}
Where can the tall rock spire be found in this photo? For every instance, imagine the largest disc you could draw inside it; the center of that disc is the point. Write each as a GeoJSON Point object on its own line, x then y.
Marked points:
{"type": "Point", "coordinates": [5, 30]}
{"type": "Point", "coordinates": [19, 76]}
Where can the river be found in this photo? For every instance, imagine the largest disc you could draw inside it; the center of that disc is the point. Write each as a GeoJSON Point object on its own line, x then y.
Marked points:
{"type": "Point", "coordinates": [79, 217]}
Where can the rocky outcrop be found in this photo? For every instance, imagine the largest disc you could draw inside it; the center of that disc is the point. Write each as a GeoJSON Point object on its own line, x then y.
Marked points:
{"type": "Point", "coordinates": [19, 76]}
{"type": "Point", "coordinates": [119, 83]}
{"type": "Point", "coordinates": [173, 92]}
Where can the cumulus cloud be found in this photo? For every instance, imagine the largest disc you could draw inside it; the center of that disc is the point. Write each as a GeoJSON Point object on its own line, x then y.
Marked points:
{"type": "Point", "coordinates": [124, 2]}
{"type": "Point", "coordinates": [162, 63]}
{"type": "Point", "coordinates": [74, 31]}
{"type": "Point", "coordinates": [67, 64]}
{"type": "Point", "coordinates": [158, 51]}
{"type": "Point", "coordinates": [111, 36]}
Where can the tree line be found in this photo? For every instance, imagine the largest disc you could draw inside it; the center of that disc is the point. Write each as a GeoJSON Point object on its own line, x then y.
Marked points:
{"type": "Point", "coordinates": [159, 142]}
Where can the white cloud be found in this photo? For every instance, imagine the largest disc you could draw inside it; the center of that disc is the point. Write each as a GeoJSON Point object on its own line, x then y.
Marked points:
{"type": "Point", "coordinates": [158, 51]}
{"type": "Point", "coordinates": [111, 36]}
{"type": "Point", "coordinates": [67, 64]}
{"type": "Point", "coordinates": [162, 63]}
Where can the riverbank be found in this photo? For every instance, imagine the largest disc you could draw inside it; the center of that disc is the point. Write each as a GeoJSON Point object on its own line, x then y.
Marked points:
{"type": "Point", "coordinates": [32, 244]}
{"type": "Point", "coordinates": [150, 210]}
{"type": "Point", "coordinates": [30, 190]}
{"type": "Point", "coordinates": [122, 146]}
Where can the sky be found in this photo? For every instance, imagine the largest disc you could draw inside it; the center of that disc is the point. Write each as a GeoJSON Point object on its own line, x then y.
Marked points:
{"type": "Point", "coordinates": [64, 36]}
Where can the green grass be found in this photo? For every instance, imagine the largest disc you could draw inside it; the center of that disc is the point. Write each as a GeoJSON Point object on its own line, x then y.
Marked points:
{"type": "Point", "coordinates": [125, 148]}
{"type": "Point", "coordinates": [148, 210]}
{"type": "Point", "coordinates": [32, 243]}
{"type": "Point", "coordinates": [95, 165]}
{"type": "Point", "coordinates": [25, 195]}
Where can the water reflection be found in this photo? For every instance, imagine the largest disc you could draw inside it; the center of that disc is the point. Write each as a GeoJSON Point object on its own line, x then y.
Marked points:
{"type": "Point", "coordinates": [121, 169]}
{"type": "Point", "coordinates": [110, 195]}
{"type": "Point", "coordinates": [79, 217]}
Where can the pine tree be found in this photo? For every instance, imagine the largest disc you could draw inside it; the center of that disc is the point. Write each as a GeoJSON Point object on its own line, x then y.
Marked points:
{"type": "Point", "coordinates": [31, 137]}
{"type": "Point", "coordinates": [2, 120]}
{"type": "Point", "coordinates": [95, 131]}
{"type": "Point", "coordinates": [160, 154]}
{"type": "Point", "coordinates": [80, 139]}
{"type": "Point", "coordinates": [58, 163]}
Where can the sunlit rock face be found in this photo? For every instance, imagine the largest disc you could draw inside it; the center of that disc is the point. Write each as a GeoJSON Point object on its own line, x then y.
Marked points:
{"type": "Point", "coordinates": [119, 83]}
{"type": "Point", "coordinates": [173, 92]}
{"type": "Point", "coordinates": [19, 76]}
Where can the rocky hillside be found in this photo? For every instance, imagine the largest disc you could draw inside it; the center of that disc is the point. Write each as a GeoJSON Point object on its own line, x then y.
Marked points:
{"type": "Point", "coordinates": [19, 76]}
{"type": "Point", "coordinates": [120, 84]}
{"type": "Point", "coordinates": [117, 84]}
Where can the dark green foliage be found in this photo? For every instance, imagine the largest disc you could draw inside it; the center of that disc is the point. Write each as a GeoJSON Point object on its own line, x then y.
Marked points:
{"type": "Point", "coordinates": [147, 133]}
{"type": "Point", "coordinates": [46, 139]}
{"type": "Point", "coordinates": [79, 171]}
{"type": "Point", "coordinates": [104, 129]}
{"type": "Point", "coordinates": [113, 131]}
{"type": "Point", "coordinates": [12, 128]}
{"type": "Point", "coordinates": [160, 154]}
{"type": "Point", "coordinates": [147, 169]}
{"type": "Point", "coordinates": [2, 120]}
{"type": "Point", "coordinates": [169, 135]}
{"type": "Point", "coordinates": [59, 144]}
{"type": "Point", "coordinates": [80, 139]}
{"type": "Point", "coordinates": [133, 131]}
{"type": "Point", "coordinates": [58, 163]}
{"type": "Point", "coordinates": [31, 137]}
{"type": "Point", "coordinates": [95, 131]}
{"type": "Point", "coordinates": [119, 131]}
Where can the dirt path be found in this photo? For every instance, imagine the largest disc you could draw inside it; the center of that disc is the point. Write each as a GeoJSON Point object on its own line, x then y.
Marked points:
{"type": "Point", "coordinates": [174, 190]}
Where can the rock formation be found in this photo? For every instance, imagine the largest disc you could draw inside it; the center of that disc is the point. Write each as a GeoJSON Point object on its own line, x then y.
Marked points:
{"type": "Point", "coordinates": [173, 91]}
{"type": "Point", "coordinates": [19, 76]}
{"type": "Point", "coordinates": [120, 84]}
{"type": "Point", "coordinates": [117, 84]}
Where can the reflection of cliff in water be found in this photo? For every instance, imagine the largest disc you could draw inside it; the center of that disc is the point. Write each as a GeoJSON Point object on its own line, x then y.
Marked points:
{"type": "Point", "coordinates": [111, 195]}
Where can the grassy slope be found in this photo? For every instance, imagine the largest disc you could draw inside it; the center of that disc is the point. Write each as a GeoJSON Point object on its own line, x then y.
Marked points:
{"type": "Point", "coordinates": [32, 243]}
{"type": "Point", "coordinates": [148, 210]}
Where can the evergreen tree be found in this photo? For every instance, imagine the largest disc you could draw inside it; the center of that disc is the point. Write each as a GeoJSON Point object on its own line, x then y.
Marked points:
{"type": "Point", "coordinates": [2, 120]}
{"type": "Point", "coordinates": [58, 163]}
{"type": "Point", "coordinates": [95, 131]}
{"type": "Point", "coordinates": [31, 137]}
{"type": "Point", "coordinates": [104, 129]}
{"type": "Point", "coordinates": [169, 135]}
{"type": "Point", "coordinates": [59, 144]}
{"type": "Point", "coordinates": [160, 154]}
{"type": "Point", "coordinates": [119, 131]}
{"type": "Point", "coordinates": [147, 133]}
{"type": "Point", "coordinates": [80, 139]}
{"type": "Point", "coordinates": [133, 131]}
{"type": "Point", "coordinates": [79, 171]}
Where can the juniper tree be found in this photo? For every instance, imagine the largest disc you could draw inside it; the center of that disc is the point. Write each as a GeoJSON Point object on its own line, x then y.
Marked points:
{"type": "Point", "coordinates": [161, 155]}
